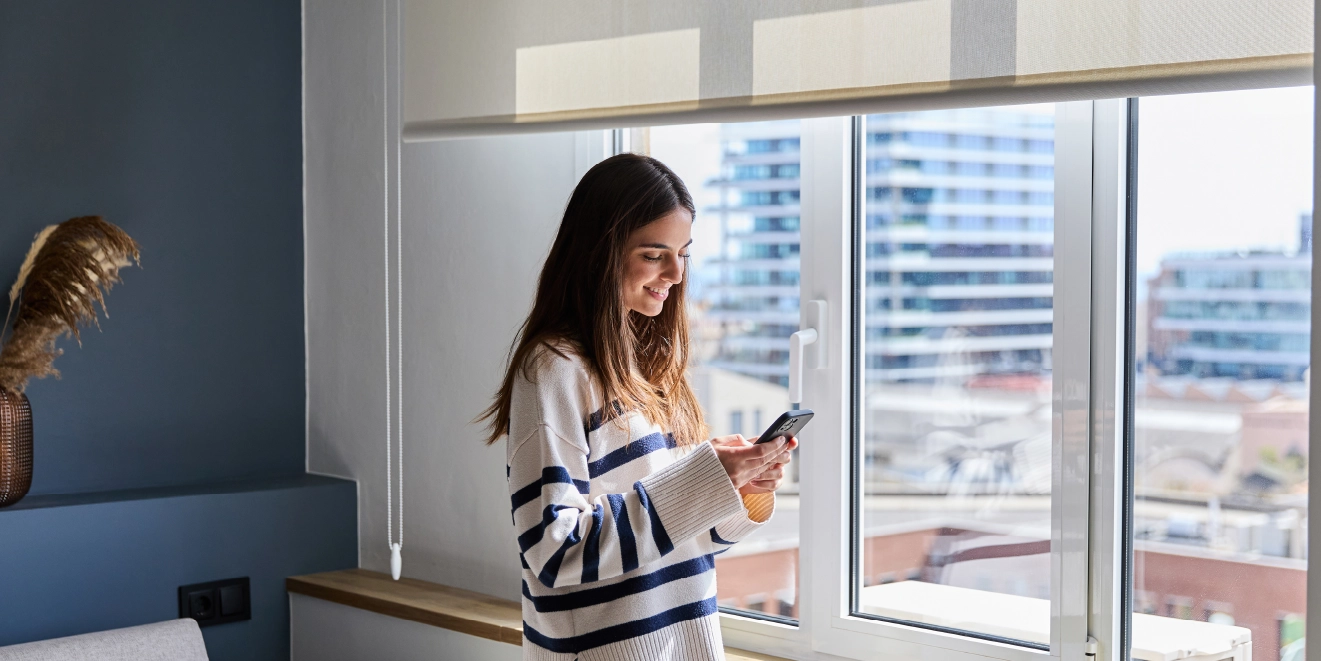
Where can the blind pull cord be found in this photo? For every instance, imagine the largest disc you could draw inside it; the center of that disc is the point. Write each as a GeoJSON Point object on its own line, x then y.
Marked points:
{"type": "Point", "coordinates": [394, 377]}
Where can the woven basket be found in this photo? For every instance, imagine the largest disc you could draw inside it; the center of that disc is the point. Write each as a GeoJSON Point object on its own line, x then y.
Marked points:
{"type": "Point", "coordinates": [15, 447]}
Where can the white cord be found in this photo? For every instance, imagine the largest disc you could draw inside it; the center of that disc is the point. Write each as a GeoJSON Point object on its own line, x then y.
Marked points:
{"type": "Point", "coordinates": [399, 322]}
{"type": "Point", "coordinates": [385, 217]}
{"type": "Point", "coordinates": [395, 547]}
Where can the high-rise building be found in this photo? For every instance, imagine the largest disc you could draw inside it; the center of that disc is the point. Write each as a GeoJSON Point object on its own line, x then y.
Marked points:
{"type": "Point", "coordinates": [754, 300]}
{"type": "Point", "coordinates": [1236, 315]}
{"type": "Point", "coordinates": [959, 243]}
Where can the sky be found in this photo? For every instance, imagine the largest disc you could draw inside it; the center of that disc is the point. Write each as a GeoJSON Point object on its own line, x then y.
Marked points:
{"type": "Point", "coordinates": [1222, 171]}
{"type": "Point", "coordinates": [1217, 172]}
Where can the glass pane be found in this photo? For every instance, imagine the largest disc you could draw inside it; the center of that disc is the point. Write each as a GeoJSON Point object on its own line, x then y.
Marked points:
{"type": "Point", "coordinates": [744, 284]}
{"type": "Point", "coordinates": [956, 346]}
{"type": "Point", "coordinates": [1222, 326]}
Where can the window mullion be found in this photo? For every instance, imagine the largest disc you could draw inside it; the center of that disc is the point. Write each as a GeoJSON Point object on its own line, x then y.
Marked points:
{"type": "Point", "coordinates": [826, 267]}
{"type": "Point", "coordinates": [1071, 379]}
{"type": "Point", "coordinates": [1110, 306]}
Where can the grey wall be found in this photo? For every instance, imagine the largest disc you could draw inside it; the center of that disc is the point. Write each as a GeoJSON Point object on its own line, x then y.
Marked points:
{"type": "Point", "coordinates": [180, 122]}
{"type": "Point", "coordinates": [478, 219]}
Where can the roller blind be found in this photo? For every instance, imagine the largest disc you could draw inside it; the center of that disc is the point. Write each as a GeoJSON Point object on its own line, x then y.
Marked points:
{"type": "Point", "coordinates": [477, 66]}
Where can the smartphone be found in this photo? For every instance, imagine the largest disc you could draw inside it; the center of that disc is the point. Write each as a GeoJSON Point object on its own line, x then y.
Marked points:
{"type": "Point", "coordinates": [788, 424]}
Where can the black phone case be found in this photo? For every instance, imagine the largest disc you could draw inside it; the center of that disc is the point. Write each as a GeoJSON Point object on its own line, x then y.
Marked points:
{"type": "Point", "coordinates": [788, 424]}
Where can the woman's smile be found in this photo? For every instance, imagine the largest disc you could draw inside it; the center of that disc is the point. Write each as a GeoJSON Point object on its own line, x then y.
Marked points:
{"type": "Point", "coordinates": [656, 255]}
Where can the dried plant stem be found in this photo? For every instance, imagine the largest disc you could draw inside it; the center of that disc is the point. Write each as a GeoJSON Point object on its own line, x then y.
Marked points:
{"type": "Point", "coordinates": [62, 281]}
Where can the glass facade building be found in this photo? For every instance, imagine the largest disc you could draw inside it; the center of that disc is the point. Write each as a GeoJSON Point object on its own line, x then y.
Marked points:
{"type": "Point", "coordinates": [1237, 315]}
{"type": "Point", "coordinates": [959, 260]}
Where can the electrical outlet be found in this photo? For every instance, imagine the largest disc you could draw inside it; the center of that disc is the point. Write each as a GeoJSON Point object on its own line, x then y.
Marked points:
{"type": "Point", "coordinates": [217, 602]}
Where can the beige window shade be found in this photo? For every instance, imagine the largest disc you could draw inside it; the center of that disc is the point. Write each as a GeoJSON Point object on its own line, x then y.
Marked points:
{"type": "Point", "coordinates": [517, 65]}
{"type": "Point", "coordinates": [641, 70]}
{"type": "Point", "coordinates": [897, 44]}
{"type": "Point", "coordinates": [1076, 38]}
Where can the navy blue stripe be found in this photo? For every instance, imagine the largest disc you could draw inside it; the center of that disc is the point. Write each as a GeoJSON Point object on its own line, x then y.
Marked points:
{"type": "Point", "coordinates": [658, 533]}
{"type": "Point", "coordinates": [533, 535]}
{"type": "Point", "coordinates": [608, 593]}
{"type": "Point", "coordinates": [618, 632]}
{"type": "Point", "coordinates": [551, 570]}
{"type": "Point", "coordinates": [592, 549]}
{"type": "Point", "coordinates": [628, 547]}
{"type": "Point", "coordinates": [596, 419]}
{"type": "Point", "coordinates": [637, 449]}
{"type": "Point", "coordinates": [549, 475]}
{"type": "Point", "coordinates": [718, 539]}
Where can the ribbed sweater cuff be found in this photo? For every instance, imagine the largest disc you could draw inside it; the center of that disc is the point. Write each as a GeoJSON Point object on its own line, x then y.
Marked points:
{"type": "Point", "coordinates": [692, 494]}
{"type": "Point", "coordinates": [531, 652]}
{"type": "Point", "coordinates": [758, 509]}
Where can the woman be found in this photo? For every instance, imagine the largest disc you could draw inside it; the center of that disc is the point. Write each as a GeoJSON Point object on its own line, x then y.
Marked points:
{"type": "Point", "coordinates": [619, 504]}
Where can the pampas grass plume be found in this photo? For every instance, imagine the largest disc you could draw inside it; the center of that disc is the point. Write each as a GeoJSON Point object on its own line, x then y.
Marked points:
{"type": "Point", "coordinates": [61, 283]}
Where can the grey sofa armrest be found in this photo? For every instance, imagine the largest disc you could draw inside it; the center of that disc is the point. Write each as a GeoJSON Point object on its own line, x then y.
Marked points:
{"type": "Point", "coordinates": [176, 640]}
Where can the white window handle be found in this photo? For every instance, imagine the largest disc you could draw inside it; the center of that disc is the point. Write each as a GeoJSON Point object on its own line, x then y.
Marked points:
{"type": "Point", "coordinates": [807, 349]}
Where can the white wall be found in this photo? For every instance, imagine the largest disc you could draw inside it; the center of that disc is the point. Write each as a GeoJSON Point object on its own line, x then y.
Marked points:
{"type": "Point", "coordinates": [343, 194]}
{"type": "Point", "coordinates": [326, 631]}
{"type": "Point", "coordinates": [478, 217]}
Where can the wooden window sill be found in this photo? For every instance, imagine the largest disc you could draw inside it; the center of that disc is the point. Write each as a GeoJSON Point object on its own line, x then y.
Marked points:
{"type": "Point", "coordinates": [441, 606]}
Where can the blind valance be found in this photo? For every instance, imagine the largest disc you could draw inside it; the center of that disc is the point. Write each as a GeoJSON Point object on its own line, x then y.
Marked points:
{"type": "Point", "coordinates": [511, 65]}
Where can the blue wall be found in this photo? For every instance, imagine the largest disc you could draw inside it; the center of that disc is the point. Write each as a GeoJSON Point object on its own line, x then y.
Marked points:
{"type": "Point", "coordinates": [73, 565]}
{"type": "Point", "coordinates": [182, 123]}
{"type": "Point", "coordinates": [172, 450]}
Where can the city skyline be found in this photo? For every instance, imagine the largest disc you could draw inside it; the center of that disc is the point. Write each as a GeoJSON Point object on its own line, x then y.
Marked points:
{"type": "Point", "coordinates": [1275, 123]}
{"type": "Point", "coordinates": [959, 234]}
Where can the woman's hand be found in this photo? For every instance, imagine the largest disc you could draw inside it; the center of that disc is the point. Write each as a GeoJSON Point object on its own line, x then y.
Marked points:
{"type": "Point", "coordinates": [746, 462]}
{"type": "Point", "coordinates": [770, 479]}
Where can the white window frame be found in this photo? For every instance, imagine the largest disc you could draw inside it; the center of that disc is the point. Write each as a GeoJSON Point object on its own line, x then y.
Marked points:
{"type": "Point", "coordinates": [1090, 501]}
{"type": "Point", "coordinates": [1112, 289]}
{"type": "Point", "coordinates": [1089, 245]}
{"type": "Point", "coordinates": [827, 498]}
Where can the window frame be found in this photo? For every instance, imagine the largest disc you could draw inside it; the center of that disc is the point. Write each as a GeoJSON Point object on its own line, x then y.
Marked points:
{"type": "Point", "coordinates": [1089, 242]}
{"type": "Point", "coordinates": [1114, 198]}
{"type": "Point", "coordinates": [1091, 498]}
{"type": "Point", "coordinates": [831, 157]}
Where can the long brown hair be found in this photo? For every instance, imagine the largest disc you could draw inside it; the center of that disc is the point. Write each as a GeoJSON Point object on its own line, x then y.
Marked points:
{"type": "Point", "coordinates": [579, 302]}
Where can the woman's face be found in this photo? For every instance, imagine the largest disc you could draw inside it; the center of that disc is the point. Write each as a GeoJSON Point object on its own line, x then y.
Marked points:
{"type": "Point", "coordinates": [654, 261]}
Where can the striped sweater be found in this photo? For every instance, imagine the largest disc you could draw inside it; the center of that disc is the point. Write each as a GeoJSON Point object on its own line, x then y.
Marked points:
{"type": "Point", "coordinates": [617, 528]}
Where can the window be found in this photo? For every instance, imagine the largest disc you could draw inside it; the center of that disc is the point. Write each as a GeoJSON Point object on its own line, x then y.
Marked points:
{"type": "Point", "coordinates": [1223, 295]}
{"type": "Point", "coordinates": [777, 224]}
{"type": "Point", "coordinates": [987, 373]}
{"type": "Point", "coordinates": [783, 171]}
{"type": "Point", "coordinates": [955, 475]}
{"type": "Point", "coordinates": [769, 198]}
{"type": "Point", "coordinates": [764, 145]}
